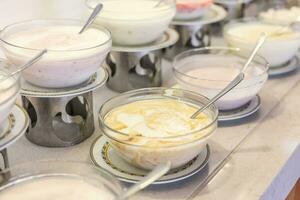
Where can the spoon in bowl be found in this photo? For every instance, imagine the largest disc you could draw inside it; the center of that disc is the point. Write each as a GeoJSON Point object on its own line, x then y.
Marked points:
{"type": "Point", "coordinates": [237, 79]}
{"type": "Point", "coordinates": [286, 28]}
{"type": "Point", "coordinates": [33, 60]}
{"type": "Point", "coordinates": [92, 17]}
{"type": "Point", "coordinates": [154, 175]}
{"type": "Point", "coordinates": [158, 3]}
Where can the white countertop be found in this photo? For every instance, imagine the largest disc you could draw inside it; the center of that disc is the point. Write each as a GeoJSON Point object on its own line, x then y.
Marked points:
{"type": "Point", "coordinates": [265, 165]}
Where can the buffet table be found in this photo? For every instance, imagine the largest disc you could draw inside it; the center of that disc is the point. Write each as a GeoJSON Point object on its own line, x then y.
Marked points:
{"type": "Point", "coordinates": [254, 158]}
{"type": "Point", "coordinates": [264, 165]}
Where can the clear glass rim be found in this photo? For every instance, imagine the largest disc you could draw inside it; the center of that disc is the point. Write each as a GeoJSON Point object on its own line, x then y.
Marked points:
{"type": "Point", "coordinates": [16, 77]}
{"type": "Point", "coordinates": [159, 89]}
{"type": "Point", "coordinates": [54, 20]}
{"type": "Point", "coordinates": [245, 20]}
{"type": "Point", "coordinates": [101, 172]}
{"type": "Point", "coordinates": [179, 57]}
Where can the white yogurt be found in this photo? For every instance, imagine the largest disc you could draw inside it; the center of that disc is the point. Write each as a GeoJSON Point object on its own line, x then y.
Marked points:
{"type": "Point", "coordinates": [55, 188]}
{"type": "Point", "coordinates": [135, 22]}
{"type": "Point", "coordinates": [71, 58]}
{"type": "Point", "coordinates": [9, 91]}
{"type": "Point", "coordinates": [191, 9]}
{"type": "Point", "coordinates": [281, 16]}
{"type": "Point", "coordinates": [278, 49]}
{"type": "Point", "coordinates": [214, 74]}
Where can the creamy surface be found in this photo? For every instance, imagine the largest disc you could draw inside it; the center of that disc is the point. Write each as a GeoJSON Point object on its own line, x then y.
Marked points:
{"type": "Point", "coordinates": [58, 38]}
{"type": "Point", "coordinates": [283, 16]}
{"type": "Point", "coordinates": [135, 10]}
{"type": "Point", "coordinates": [252, 31]}
{"type": "Point", "coordinates": [215, 73]}
{"type": "Point", "coordinates": [156, 118]}
{"type": "Point", "coordinates": [55, 188]}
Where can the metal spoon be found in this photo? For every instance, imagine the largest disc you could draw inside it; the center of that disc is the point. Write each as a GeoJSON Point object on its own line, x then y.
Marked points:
{"type": "Point", "coordinates": [237, 79]}
{"type": "Point", "coordinates": [158, 4]}
{"type": "Point", "coordinates": [27, 64]}
{"type": "Point", "coordinates": [154, 175]}
{"type": "Point", "coordinates": [92, 17]}
{"type": "Point", "coordinates": [285, 28]}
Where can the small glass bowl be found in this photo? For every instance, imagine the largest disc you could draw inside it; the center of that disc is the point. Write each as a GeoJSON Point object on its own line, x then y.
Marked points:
{"type": "Point", "coordinates": [135, 26]}
{"type": "Point", "coordinates": [57, 68]}
{"type": "Point", "coordinates": [156, 150]}
{"type": "Point", "coordinates": [46, 178]}
{"type": "Point", "coordinates": [277, 51]}
{"type": "Point", "coordinates": [220, 57]}
{"type": "Point", "coordinates": [9, 88]}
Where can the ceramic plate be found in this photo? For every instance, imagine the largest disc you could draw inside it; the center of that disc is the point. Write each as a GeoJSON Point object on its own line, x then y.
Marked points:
{"type": "Point", "coordinates": [97, 80]}
{"type": "Point", "coordinates": [289, 67]}
{"type": "Point", "coordinates": [169, 38]}
{"type": "Point", "coordinates": [242, 112]}
{"type": "Point", "coordinates": [212, 15]}
{"type": "Point", "coordinates": [14, 127]}
{"type": "Point", "coordinates": [103, 155]}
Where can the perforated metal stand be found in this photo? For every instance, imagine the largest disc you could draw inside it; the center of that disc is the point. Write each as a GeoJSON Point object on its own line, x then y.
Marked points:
{"type": "Point", "coordinates": [60, 121]}
{"type": "Point", "coordinates": [191, 36]}
{"type": "Point", "coordinates": [61, 117]}
{"type": "Point", "coordinates": [135, 67]}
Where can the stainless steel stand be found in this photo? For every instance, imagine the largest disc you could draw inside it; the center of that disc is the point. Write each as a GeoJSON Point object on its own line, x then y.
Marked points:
{"type": "Point", "coordinates": [135, 67]}
{"type": "Point", "coordinates": [61, 117]}
{"type": "Point", "coordinates": [60, 121]}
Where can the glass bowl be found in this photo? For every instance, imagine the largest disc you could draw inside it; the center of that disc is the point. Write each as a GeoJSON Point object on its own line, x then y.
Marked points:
{"type": "Point", "coordinates": [9, 88]}
{"type": "Point", "coordinates": [57, 180]}
{"type": "Point", "coordinates": [134, 22]}
{"type": "Point", "coordinates": [208, 70]}
{"type": "Point", "coordinates": [191, 9]}
{"type": "Point", "coordinates": [57, 68]}
{"type": "Point", "coordinates": [277, 50]}
{"type": "Point", "coordinates": [146, 152]}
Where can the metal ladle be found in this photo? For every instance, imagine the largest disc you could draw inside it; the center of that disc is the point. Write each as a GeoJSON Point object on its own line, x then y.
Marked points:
{"type": "Point", "coordinates": [92, 17]}
{"type": "Point", "coordinates": [237, 79]}
{"type": "Point", "coordinates": [26, 65]}
{"type": "Point", "coordinates": [154, 175]}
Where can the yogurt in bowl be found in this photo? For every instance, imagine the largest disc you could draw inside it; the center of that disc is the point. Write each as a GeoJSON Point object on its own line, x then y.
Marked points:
{"type": "Point", "coordinates": [149, 126]}
{"type": "Point", "coordinates": [191, 9]}
{"type": "Point", "coordinates": [71, 59]}
{"type": "Point", "coordinates": [56, 180]}
{"type": "Point", "coordinates": [278, 48]}
{"type": "Point", "coordinates": [282, 16]}
{"type": "Point", "coordinates": [9, 89]}
{"type": "Point", "coordinates": [135, 22]}
{"type": "Point", "coordinates": [209, 70]}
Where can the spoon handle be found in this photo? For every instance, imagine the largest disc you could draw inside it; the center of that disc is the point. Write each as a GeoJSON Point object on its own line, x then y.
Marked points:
{"type": "Point", "coordinates": [154, 175]}
{"type": "Point", "coordinates": [158, 4]}
{"type": "Point", "coordinates": [29, 63]}
{"type": "Point", "coordinates": [259, 43]}
{"type": "Point", "coordinates": [92, 17]}
{"type": "Point", "coordinates": [229, 87]}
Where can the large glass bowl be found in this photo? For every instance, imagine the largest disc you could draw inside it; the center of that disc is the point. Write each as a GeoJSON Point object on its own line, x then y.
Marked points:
{"type": "Point", "coordinates": [147, 152]}
{"type": "Point", "coordinates": [277, 51]}
{"type": "Point", "coordinates": [210, 86]}
{"type": "Point", "coordinates": [133, 24]}
{"type": "Point", "coordinates": [9, 88]}
{"type": "Point", "coordinates": [57, 180]}
{"type": "Point", "coordinates": [57, 68]}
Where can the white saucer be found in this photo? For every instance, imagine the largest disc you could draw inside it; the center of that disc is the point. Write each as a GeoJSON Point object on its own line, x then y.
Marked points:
{"type": "Point", "coordinates": [97, 80]}
{"type": "Point", "coordinates": [213, 14]}
{"type": "Point", "coordinates": [289, 67]}
{"type": "Point", "coordinates": [103, 155]}
{"type": "Point", "coordinates": [242, 112]}
{"type": "Point", "coordinates": [13, 127]}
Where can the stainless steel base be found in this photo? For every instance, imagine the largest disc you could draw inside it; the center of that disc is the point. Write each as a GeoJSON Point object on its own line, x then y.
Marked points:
{"type": "Point", "coordinates": [134, 70]}
{"type": "Point", "coordinates": [59, 121]}
{"type": "Point", "coordinates": [191, 36]}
